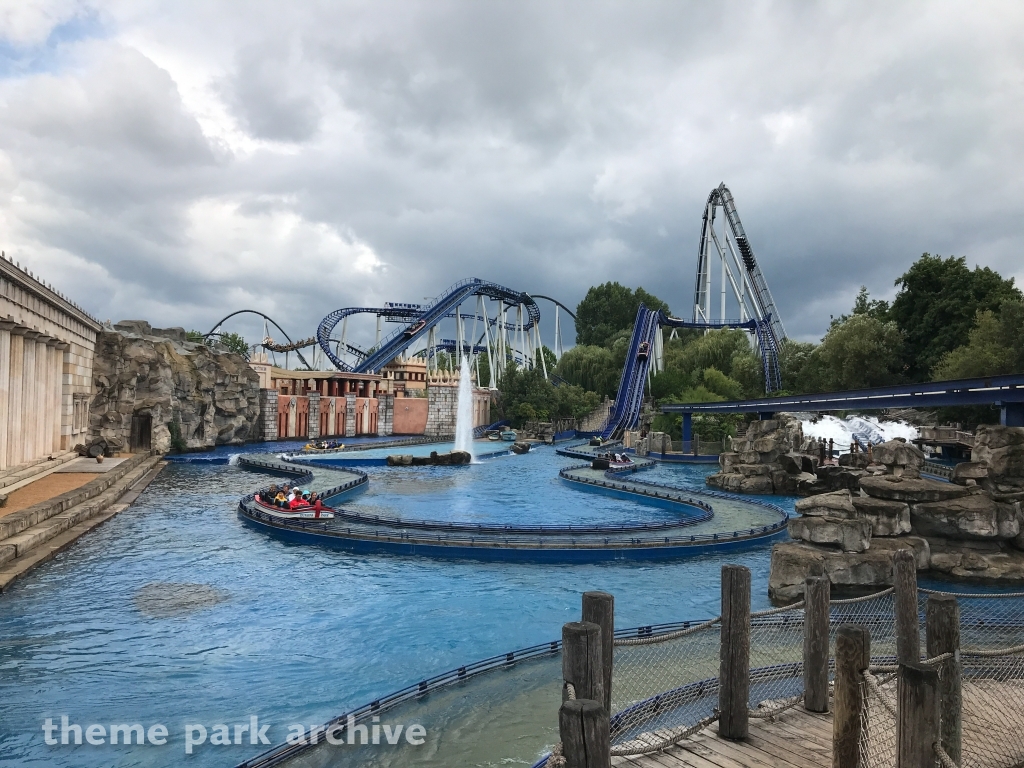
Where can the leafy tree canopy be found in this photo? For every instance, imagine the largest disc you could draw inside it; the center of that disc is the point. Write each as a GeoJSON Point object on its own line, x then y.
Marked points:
{"type": "Point", "coordinates": [995, 346]}
{"type": "Point", "coordinates": [527, 396]}
{"type": "Point", "coordinates": [589, 367]}
{"type": "Point", "coordinates": [235, 343]}
{"type": "Point", "coordinates": [937, 304]}
{"type": "Point", "coordinates": [860, 352]}
{"type": "Point", "coordinates": [609, 308]}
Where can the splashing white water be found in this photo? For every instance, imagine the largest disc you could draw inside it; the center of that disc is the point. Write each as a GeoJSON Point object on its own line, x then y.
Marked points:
{"type": "Point", "coordinates": [464, 414]}
{"type": "Point", "coordinates": [868, 427]}
{"type": "Point", "coordinates": [233, 459]}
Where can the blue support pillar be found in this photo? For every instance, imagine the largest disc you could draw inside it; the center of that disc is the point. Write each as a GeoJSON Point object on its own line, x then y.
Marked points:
{"type": "Point", "coordinates": [1011, 414]}
{"type": "Point", "coordinates": [687, 431]}
{"type": "Point", "coordinates": [766, 415]}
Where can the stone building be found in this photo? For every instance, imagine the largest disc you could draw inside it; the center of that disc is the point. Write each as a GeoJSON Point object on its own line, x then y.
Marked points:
{"type": "Point", "coordinates": [443, 405]}
{"type": "Point", "coordinates": [47, 345]}
{"type": "Point", "coordinates": [407, 375]}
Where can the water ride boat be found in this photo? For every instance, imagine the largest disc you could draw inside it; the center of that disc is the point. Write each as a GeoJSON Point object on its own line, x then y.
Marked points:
{"type": "Point", "coordinates": [509, 435]}
{"type": "Point", "coordinates": [611, 461]}
{"type": "Point", "coordinates": [320, 512]}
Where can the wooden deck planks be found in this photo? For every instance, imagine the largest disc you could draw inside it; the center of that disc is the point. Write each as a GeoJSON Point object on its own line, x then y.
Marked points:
{"type": "Point", "coordinates": [800, 739]}
{"type": "Point", "coordinates": [794, 739]}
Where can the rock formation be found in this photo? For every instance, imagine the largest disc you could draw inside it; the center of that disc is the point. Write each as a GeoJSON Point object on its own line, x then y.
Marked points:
{"type": "Point", "coordinates": [970, 528]}
{"type": "Point", "coordinates": [771, 459]}
{"type": "Point", "coordinates": [435, 459]}
{"type": "Point", "coordinates": [194, 397]}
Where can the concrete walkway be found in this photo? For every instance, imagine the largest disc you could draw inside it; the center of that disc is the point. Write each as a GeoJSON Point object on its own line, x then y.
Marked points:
{"type": "Point", "coordinates": [37, 532]}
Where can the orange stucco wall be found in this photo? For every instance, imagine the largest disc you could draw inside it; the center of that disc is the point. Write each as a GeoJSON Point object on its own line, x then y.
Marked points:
{"type": "Point", "coordinates": [410, 416]}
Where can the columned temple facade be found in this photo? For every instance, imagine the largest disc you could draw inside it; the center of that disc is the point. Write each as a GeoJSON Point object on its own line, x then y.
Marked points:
{"type": "Point", "coordinates": [46, 353]}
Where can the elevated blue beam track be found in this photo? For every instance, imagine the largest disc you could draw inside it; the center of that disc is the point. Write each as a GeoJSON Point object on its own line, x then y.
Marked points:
{"type": "Point", "coordinates": [1004, 392]}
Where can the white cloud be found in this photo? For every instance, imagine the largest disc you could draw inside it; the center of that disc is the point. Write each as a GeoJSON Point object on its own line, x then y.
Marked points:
{"type": "Point", "coordinates": [177, 160]}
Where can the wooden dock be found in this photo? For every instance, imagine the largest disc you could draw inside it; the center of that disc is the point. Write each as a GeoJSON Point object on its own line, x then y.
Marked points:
{"type": "Point", "coordinates": [800, 739]}
{"type": "Point", "coordinates": [794, 739]}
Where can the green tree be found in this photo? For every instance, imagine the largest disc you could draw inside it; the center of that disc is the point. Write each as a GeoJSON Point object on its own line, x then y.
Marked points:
{"type": "Point", "coordinates": [747, 369]}
{"type": "Point", "coordinates": [668, 384]}
{"type": "Point", "coordinates": [609, 308]}
{"type": "Point", "coordinates": [235, 343]}
{"type": "Point", "coordinates": [196, 337]}
{"type": "Point", "coordinates": [937, 304]}
{"type": "Point", "coordinates": [725, 387]}
{"type": "Point", "coordinates": [714, 349]}
{"type": "Point", "coordinates": [861, 352]}
{"type": "Point", "coordinates": [589, 367]}
{"type": "Point", "coordinates": [865, 305]}
{"type": "Point", "coordinates": [549, 359]}
{"type": "Point", "coordinates": [526, 396]}
{"type": "Point", "coordinates": [995, 346]}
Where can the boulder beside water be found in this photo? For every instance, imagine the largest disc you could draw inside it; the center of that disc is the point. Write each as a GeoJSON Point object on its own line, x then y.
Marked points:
{"type": "Point", "coordinates": [970, 529]}
{"type": "Point", "coordinates": [435, 459]}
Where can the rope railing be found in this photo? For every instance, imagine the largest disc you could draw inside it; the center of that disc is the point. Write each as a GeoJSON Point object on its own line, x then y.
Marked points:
{"type": "Point", "coordinates": [651, 716]}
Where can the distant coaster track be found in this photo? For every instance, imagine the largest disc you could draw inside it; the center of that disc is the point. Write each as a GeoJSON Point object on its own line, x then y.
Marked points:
{"type": "Point", "coordinates": [740, 272]}
{"type": "Point", "coordinates": [417, 321]}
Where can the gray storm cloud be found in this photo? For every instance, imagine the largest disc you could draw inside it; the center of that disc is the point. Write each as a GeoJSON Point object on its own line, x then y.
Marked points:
{"type": "Point", "coordinates": [176, 163]}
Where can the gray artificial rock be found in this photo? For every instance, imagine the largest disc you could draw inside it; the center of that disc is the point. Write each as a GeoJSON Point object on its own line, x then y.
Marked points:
{"type": "Point", "coordinates": [1001, 450]}
{"type": "Point", "coordinates": [975, 516]}
{"type": "Point", "coordinates": [846, 534]}
{"type": "Point", "coordinates": [912, 490]}
{"type": "Point", "coordinates": [835, 504]}
{"type": "Point", "coordinates": [887, 518]}
{"type": "Point", "coordinates": [969, 470]}
{"type": "Point", "coordinates": [898, 453]}
{"type": "Point", "coordinates": [983, 561]}
{"type": "Point", "coordinates": [793, 561]}
{"type": "Point", "coordinates": [916, 544]}
{"type": "Point", "coordinates": [213, 396]}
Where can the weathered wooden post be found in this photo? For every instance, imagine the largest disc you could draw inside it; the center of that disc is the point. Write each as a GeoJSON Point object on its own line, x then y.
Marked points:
{"type": "Point", "coordinates": [853, 656]}
{"type": "Point", "coordinates": [599, 608]}
{"type": "Point", "coordinates": [816, 626]}
{"type": "Point", "coordinates": [734, 653]}
{"type": "Point", "coordinates": [584, 729]}
{"type": "Point", "coordinates": [582, 660]}
{"type": "Point", "coordinates": [942, 632]}
{"type": "Point", "coordinates": [583, 722]}
{"type": "Point", "coordinates": [908, 631]}
{"type": "Point", "coordinates": [917, 721]}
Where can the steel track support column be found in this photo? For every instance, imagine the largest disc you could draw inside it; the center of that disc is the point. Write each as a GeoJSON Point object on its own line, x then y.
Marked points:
{"type": "Point", "coordinates": [458, 334]}
{"type": "Point", "coordinates": [687, 431]}
{"type": "Point", "coordinates": [1011, 414]}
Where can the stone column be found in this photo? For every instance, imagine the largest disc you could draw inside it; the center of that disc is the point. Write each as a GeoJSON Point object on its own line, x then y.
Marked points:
{"type": "Point", "coordinates": [58, 391]}
{"type": "Point", "coordinates": [292, 408]}
{"type": "Point", "coordinates": [350, 414]}
{"type": "Point", "coordinates": [268, 412]}
{"type": "Point", "coordinates": [313, 417]}
{"type": "Point", "coordinates": [332, 416]}
{"type": "Point", "coordinates": [42, 397]}
{"type": "Point", "coordinates": [5, 387]}
{"type": "Point", "coordinates": [29, 399]}
{"type": "Point", "coordinates": [50, 383]}
{"type": "Point", "coordinates": [15, 410]}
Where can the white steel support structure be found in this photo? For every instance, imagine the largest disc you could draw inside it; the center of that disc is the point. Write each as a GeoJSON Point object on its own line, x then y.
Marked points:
{"type": "Point", "coordinates": [739, 269]}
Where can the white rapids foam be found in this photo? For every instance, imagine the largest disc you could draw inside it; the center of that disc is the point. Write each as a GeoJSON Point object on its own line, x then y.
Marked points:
{"type": "Point", "coordinates": [867, 427]}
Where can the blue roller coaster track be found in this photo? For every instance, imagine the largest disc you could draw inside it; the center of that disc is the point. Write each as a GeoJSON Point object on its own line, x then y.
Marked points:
{"type": "Point", "coordinates": [625, 412]}
{"type": "Point", "coordinates": [416, 320]}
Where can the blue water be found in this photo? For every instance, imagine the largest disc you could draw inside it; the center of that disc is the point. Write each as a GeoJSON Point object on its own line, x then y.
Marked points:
{"type": "Point", "coordinates": [302, 633]}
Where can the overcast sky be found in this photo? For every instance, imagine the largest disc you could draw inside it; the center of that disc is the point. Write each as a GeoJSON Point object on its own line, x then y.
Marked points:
{"type": "Point", "coordinates": [174, 161]}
